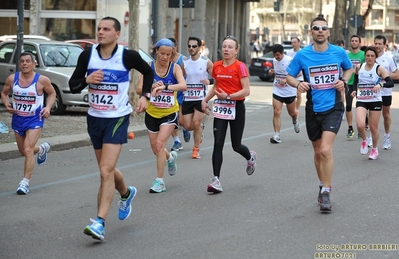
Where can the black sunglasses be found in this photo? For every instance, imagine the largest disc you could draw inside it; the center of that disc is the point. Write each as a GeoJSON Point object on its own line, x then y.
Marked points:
{"type": "Point", "coordinates": [317, 27]}
{"type": "Point", "coordinates": [192, 46]}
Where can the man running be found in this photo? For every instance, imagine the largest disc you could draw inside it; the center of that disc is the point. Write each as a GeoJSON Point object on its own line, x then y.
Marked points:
{"type": "Point", "coordinates": [357, 57]}
{"type": "Point", "coordinates": [322, 63]}
{"type": "Point", "coordinates": [197, 70]}
{"type": "Point", "coordinates": [282, 92]}
{"type": "Point", "coordinates": [108, 66]}
{"type": "Point", "coordinates": [28, 113]}
{"type": "Point", "coordinates": [386, 61]}
{"type": "Point", "coordinates": [296, 46]}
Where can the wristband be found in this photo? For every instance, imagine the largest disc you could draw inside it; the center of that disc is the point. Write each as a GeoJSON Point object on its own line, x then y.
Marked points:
{"type": "Point", "coordinates": [147, 95]}
{"type": "Point", "coordinates": [166, 87]}
{"type": "Point", "coordinates": [298, 85]}
{"type": "Point", "coordinates": [211, 81]}
{"type": "Point", "coordinates": [381, 84]}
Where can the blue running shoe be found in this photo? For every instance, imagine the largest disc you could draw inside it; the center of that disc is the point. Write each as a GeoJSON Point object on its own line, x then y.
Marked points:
{"type": "Point", "coordinates": [177, 146]}
{"type": "Point", "coordinates": [42, 154]}
{"type": "Point", "coordinates": [95, 230]}
{"type": "Point", "coordinates": [125, 204]}
{"type": "Point", "coordinates": [186, 135]}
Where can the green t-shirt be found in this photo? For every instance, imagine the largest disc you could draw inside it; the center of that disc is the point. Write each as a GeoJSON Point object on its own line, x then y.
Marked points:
{"type": "Point", "coordinates": [356, 58]}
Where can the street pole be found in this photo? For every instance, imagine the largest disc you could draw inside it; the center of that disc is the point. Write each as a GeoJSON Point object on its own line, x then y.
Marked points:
{"type": "Point", "coordinates": [20, 33]}
{"type": "Point", "coordinates": [180, 23]}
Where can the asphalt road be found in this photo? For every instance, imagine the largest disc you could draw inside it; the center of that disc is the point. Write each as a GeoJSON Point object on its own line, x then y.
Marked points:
{"type": "Point", "coordinates": [271, 214]}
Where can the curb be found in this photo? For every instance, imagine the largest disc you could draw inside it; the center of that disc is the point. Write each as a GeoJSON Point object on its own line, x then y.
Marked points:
{"type": "Point", "coordinates": [60, 143]}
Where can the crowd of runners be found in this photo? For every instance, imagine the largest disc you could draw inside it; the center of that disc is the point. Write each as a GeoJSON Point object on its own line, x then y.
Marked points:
{"type": "Point", "coordinates": [174, 94]}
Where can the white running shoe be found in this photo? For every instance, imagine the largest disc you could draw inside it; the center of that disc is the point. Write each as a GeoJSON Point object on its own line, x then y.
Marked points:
{"type": "Point", "coordinates": [364, 149]}
{"type": "Point", "coordinates": [215, 186]}
{"type": "Point", "coordinates": [369, 141]}
{"type": "Point", "coordinates": [275, 139]}
{"type": "Point", "coordinates": [387, 142]}
{"type": "Point", "coordinates": [297, 127]}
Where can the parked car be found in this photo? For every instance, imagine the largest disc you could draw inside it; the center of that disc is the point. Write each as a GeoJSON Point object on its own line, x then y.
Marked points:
{"type": "Point", "coordinates": [87, 43]}
{"type": "Point", "coordinates": [260, 67]}
{"type": "Point", "coordinates": [56, 60]}
{"type": "Point", "coordinates": [26, 37]}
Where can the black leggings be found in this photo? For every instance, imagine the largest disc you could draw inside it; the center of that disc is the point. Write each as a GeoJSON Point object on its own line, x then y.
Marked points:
{"type": "Point", "coordinates": [236, 132]}
{"type": "Point", "coordinates": [349, 98]}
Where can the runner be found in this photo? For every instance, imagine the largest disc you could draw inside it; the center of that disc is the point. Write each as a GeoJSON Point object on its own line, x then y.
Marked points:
{"type": "Point", "coordinates": [282, 92]}
{"type": "Point", "coordinates": [28, 113]}
{"type": "Point", "coordinates": [368, 92]}
{"type": "Point", "coordinates": [108, 66]}
{"type": "Point", "coordinates": [178, 59]}
{"type": "Point", "coordinates": [322, 63]}
{"type": "Point", "coordinates": [197, 70]}
{"type": "Point", "coordinates": [357, 57]}
{"type": "Point", "coordinates": [231, 86]}
{"type": "Point", "coordinates": [296, 46]}
{"type": "Point", "coordinates": [386, 61]}
{"type": "Point", "coordinates": [162, 115]}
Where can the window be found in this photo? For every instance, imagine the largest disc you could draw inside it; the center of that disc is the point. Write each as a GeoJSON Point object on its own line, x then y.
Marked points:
{"type": "Point", "coordinates": [6, 52]}
{"type": "Point", "coordinates": [14, 5]}
{"type": "Point", "coordinates": [68, 29]}
{"type": "Point", "coordinates": [70, 5]}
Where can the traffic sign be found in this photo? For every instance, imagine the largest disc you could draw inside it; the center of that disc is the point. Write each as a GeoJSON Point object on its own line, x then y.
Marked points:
{"type": "Point", "coordinates": [356, 21]}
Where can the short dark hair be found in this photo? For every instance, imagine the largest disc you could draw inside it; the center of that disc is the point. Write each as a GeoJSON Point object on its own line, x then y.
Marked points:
{"type": "Point", "coordinates": [26, 53]}
{"type": "Point", "coordinates": [356, 36]}
{"type": "Point", "coordinates": [173, 40]}
{"type": "Point", "coordinates": [340, 42]}
{"type": "Point", "coordinates": [199, 42]}
{"type": "Point", "coordinates": [318, 18]}
{"type": "Point", "coordinates": [381, 37]}
{"type": "Point", "coordinates": [117, 24]}
{"type": "Point", "coordinates": [371, 48]}
{"type": "Point", "coordinates": [278, 48]}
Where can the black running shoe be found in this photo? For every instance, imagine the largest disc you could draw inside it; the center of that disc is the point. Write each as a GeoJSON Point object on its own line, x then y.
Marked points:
{"type": "Point", "coordinates": [325, 204]}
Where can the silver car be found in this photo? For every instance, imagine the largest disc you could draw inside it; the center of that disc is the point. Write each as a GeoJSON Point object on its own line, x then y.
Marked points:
{"type": "Point", "coordinates": [56, 60]}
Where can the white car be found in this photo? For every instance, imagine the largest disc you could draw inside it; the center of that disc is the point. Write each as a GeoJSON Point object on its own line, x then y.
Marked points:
{"type": "Point", "coordinates": [56, 60]}
{"type": "Point", "coordinates": [26, 37]}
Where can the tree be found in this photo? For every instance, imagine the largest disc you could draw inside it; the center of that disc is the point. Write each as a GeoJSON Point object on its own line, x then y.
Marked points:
{"type": "Point", "coordinates": [339, 21]}
{"type": "Point", "coordinates": [134, 13]}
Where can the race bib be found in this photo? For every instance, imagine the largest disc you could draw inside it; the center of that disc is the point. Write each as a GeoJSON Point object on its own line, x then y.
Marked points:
{"type": "Point", "coordinates": [103, 97]}
{"type": "Point", "coordinates": [194, 92]}
{"type": "Point", "coordinates": [165, 99]}
{"type": "Point", "coordinates": [323, 77]}
{"type": "Point", "coordinates": [25, 105]}
{"type": "Point", "coordinates": [224, 109]}
{"type": "Point", "coordinates": [279, 80]}
{"type": "Point", "coordinates": [365, 92]}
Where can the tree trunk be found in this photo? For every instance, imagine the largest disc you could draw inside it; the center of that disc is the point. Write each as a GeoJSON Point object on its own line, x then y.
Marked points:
{"type": "Point", "coordinates": [134, 13]}
{"type": "Point", "coordinates": [339, 21]}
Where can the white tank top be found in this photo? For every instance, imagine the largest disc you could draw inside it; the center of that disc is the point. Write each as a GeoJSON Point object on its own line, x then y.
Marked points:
{"type": "Point", "coordinates": [196, 70]}
{"type": "Point", "coordinates": [280, 73]}
{"type": "Point", "coordinates": [25, 99]}
{"type": "Point", "coordinates": [387, 62]}
{"type": "Point", "coordinates": [110, 98]}
{"type": "Point", "coordinates": [367, 80]}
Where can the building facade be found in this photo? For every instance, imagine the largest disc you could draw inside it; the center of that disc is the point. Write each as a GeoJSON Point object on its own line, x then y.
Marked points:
{"type": "Point", "coordinates": [210, 20]}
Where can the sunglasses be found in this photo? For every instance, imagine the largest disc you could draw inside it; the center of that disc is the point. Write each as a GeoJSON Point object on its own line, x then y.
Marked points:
{"type": "Point", "coordinates": [230, 37]}
{"type": "Point", "coordinates": [317, 27]}
{"type": "Point", "coordinates": [192, 46]}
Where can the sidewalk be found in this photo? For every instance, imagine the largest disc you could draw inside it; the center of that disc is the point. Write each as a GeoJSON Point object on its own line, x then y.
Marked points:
{"type": "Point", "coordinates": [59, 143]}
